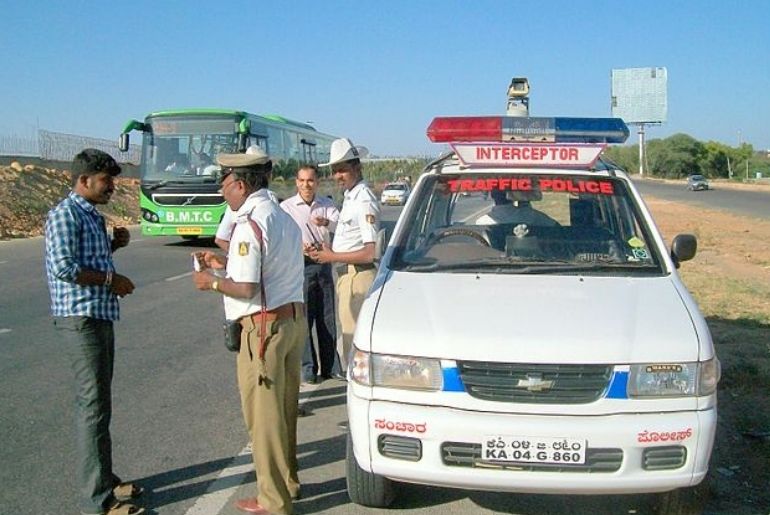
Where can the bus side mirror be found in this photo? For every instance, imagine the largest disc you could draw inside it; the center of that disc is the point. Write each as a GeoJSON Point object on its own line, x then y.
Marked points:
{"type": "Point", "coordinates": [123, 142]}
{"type": "Point", "coordinates": [683, 248]}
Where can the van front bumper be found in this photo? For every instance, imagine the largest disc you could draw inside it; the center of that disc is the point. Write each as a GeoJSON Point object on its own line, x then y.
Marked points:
{"type": "Point", "coordinates": [626, 453]}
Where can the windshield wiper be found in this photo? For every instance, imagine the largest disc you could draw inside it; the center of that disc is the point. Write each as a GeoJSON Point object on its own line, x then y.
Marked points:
{"type": "Point", "coordinates": [162, 183]}
{"type": "Point", "coordinates": [551, 267]}
{"type": "Point", "coordinates": [157, 185]}
{"type": "Point", "coordinates": [465, 266]}
{"type": "Point", "coordinates": [514, 266]}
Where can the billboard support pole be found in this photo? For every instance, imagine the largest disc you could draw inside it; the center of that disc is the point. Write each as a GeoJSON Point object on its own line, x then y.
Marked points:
{"type": "Point", "coordinates": [641, 149]}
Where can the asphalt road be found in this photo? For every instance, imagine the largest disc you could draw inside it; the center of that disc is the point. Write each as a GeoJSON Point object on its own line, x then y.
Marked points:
{"type": "Point", "coordinates": [755, 204]}
{"type": "Point", "coordinates": [177, 425]}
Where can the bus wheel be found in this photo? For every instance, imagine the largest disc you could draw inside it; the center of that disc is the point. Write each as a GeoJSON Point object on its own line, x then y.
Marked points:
{"type": "Point", "coordinates": [365, 488]}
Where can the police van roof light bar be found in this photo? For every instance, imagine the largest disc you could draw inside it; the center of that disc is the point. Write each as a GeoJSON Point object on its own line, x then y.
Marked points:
{"type": "Point", "coordinates": [446, 129]}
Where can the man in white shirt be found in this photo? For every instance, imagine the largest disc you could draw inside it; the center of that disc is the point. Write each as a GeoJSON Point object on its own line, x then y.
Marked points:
{"type": "Point", "coordinates": [515, 207]}
{"type": "Point", "coordinates": [317, 219]}
{"type": "Point", "coordinates": [263, 290]}
{"type": "Point", "coordinates": [354, 239]}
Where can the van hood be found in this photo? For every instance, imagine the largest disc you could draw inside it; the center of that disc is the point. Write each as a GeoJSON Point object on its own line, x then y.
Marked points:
{"type": "Point", "coordinates": [533, 318]}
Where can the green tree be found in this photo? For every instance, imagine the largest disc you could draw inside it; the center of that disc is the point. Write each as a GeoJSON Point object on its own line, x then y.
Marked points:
{"type": "Point", "coordinates": [676, 156]}
{"type": "Point", "coordinates": [715, 160]}
{"type": "Point", "coordinates": [626, 157]}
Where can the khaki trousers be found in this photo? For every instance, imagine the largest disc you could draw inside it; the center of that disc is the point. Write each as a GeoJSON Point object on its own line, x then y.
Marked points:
{"type": "Point", "coordinates": [353, 283]}
{"type": "Point", "coordinates": [270, 408]}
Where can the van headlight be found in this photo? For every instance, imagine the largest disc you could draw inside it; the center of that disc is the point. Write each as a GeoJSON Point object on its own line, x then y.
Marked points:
{"type": "Point", "coordinates": [405, 372]}
{"type": "Point", "coordinates": [674, 379]}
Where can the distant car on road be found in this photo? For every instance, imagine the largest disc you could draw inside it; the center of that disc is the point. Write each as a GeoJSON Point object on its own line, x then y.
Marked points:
{"type": "Point", "coordinates": [395, 193]}
{"type": "Point", "coordinates": [697, 183]}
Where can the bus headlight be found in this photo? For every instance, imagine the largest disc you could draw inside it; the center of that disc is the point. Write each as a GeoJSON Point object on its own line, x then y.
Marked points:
{"type": "Point", "coordinates": [674, 379]}
{"type": "Point", "coordinates": [396, 371]}
{"type": "Point", "coordinates": [150, 216]}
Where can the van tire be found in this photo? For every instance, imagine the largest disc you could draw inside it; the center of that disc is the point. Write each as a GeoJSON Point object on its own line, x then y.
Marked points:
{"type": "Point", "coordinates": [365, 488]}
{"type": "Point", "coordinates": [682, 501]}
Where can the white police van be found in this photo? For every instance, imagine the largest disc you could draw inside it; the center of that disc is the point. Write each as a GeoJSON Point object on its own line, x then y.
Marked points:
{"type": "Point", "coordinates": [528, 330]}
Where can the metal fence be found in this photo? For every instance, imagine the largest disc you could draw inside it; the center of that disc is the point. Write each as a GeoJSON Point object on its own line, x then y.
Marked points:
{"type": "Point", "coordinates": [57, 146]}
{"type": "Point", "coordinates": [13, 144]}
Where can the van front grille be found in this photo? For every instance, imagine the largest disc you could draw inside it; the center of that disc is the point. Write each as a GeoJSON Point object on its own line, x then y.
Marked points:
{"type": "Point", "coordinates": [400, 447]}
{"type": "Point", "coordinates": [664, 458]}
{"type": "Point", "coordinates": [534, 383]}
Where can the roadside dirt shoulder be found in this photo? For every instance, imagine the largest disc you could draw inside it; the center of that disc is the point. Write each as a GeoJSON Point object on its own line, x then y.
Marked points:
{"type": "Point", "coordinates": [28, 192]}
{"type": "Point", "coordinates": [730, 279]}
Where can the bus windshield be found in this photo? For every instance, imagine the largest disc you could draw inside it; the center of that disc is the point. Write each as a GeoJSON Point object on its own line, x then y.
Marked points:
{"type": "Point", "coordinates": [185, 149]}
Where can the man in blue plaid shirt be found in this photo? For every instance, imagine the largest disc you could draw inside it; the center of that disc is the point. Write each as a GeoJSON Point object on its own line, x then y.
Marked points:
{"type": "Point", "coordinates": [84, 303]}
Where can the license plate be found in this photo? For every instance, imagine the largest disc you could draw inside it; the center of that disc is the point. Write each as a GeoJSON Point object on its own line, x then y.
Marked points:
{"type": "Point", "coordinates": [189, 230]}
{"type": "Point", "coordinates": [529, 449]}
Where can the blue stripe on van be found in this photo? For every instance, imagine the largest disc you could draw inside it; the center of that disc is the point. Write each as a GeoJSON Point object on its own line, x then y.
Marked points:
{"type": "Point", "coordinates": [452, 381]}
{"type": "Point", "coordinates": [617, 389]}
{"type": "Point", "coordinates": [618, 386]}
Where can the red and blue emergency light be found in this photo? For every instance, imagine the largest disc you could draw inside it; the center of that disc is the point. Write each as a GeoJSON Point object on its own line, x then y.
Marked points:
{"type": "Point", "coordinates": [452, 129]}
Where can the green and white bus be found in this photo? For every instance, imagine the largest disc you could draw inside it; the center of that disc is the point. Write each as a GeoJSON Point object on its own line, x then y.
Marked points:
{"type": "Point", "coordinates": [179, 192]}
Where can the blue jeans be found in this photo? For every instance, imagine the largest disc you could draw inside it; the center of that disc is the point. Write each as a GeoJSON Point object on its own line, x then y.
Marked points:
{"type": "Point", "coordinates": [319, 310]}
{"type": "Point", "coordinates": [90, 346]}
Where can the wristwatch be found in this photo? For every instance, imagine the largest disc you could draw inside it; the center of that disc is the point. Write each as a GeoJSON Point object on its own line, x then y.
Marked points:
{"type": "Point", "coordinates": [215, 285]}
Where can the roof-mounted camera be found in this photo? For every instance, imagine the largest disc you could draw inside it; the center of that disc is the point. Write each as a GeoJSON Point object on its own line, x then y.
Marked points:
{"type": "Point", "coordinates": [518, 97]}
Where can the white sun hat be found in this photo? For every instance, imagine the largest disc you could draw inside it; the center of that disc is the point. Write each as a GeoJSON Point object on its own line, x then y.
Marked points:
{"type": "Point", "coordinates": [343, 150]}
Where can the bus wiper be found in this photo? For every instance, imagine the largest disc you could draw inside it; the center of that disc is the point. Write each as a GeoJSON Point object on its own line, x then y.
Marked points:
{"type": "Point", "coordinates": [162, 183]}
{"type": "Point", "coordinates": [157, 185]}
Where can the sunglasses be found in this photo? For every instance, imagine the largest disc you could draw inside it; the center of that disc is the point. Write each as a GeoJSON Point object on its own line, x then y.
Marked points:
{"type": "Point", "coordinates": [222, 186]}
{"type": "Point", "coordinates": [342, 167]}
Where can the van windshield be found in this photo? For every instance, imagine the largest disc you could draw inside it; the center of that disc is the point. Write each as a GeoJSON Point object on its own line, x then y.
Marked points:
{"type": "Point", "coordinates": [525, 223]}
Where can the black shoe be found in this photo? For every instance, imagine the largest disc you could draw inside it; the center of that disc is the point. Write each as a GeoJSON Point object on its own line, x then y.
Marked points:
{"type": "Point", "coordinates": [336, 376]}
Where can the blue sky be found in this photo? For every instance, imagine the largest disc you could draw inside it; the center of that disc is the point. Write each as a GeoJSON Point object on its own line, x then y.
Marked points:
{"type": "Point", "coordinates": [378, 72]}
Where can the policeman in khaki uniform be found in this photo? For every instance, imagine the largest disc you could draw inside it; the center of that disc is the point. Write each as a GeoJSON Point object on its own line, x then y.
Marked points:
{"type": "Point", "coordinates": [354, 239]}
{"type": "Point", "coordinates": [263, 290]}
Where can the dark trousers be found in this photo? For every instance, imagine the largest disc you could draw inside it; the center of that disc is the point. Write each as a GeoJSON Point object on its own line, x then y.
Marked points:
{"type": "Point", "coordinates": [90, 346]}
{"type": "Point", "coordinates": [319, 310]}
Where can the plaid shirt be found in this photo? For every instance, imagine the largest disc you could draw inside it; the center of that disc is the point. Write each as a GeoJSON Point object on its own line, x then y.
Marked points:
{"type": "Point", "coordinates": [76, 239]}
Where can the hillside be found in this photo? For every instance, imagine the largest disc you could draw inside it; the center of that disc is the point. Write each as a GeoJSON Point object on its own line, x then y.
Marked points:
{"type": "Point", "coordinates": [29, 191]}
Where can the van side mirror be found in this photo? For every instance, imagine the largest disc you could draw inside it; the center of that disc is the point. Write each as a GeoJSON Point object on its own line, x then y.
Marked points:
{"type": "Point", "coordinates": [683, 248]}
{"type": "Point", "coordinates": [123, 142]}
{"type": "Point", "coordinates": [379, 246]}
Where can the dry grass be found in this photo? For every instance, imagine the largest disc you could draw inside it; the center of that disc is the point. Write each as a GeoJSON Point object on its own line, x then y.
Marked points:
{"type": "Point", "coordinates": [730, 278]}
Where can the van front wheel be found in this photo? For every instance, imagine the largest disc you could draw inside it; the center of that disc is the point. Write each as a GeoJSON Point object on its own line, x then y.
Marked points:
{"type": "Point", "coordinates": [365, 488]}
{"type": "Point", "coordinates": [683, 501]}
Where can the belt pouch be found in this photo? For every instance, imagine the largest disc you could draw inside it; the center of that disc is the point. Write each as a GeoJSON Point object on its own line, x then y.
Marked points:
{"type": "Point", "coordinates": [232, 330]}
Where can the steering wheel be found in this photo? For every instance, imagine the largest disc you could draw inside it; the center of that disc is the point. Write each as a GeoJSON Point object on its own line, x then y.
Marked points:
{"type": "Point", "coordinates": [461, 231]}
